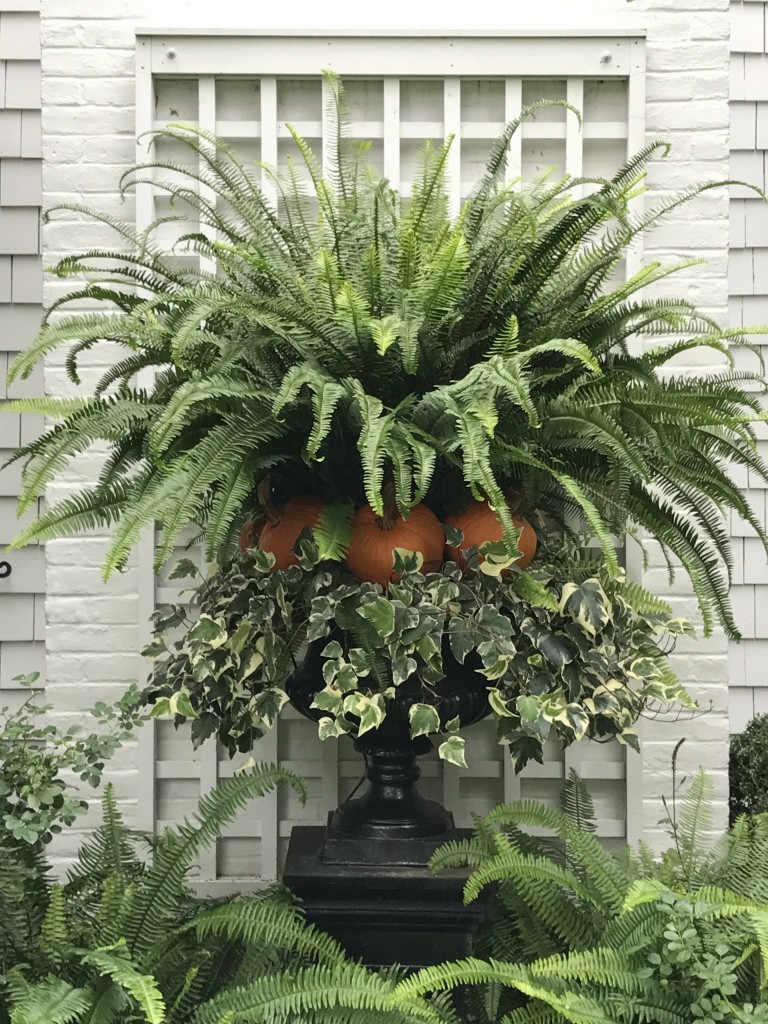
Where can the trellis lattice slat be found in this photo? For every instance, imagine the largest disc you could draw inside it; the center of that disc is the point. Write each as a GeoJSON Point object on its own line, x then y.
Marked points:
{"type": "Point", "coordinates": [402, 90]}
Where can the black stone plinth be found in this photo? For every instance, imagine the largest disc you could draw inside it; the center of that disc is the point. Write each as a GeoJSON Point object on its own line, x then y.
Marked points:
{"type": "Point", "coordinates": [384, 913]}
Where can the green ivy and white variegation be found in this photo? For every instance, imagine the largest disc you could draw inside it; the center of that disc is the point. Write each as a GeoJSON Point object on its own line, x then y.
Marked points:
{"type": "Point", "coordinates": [569, 649]}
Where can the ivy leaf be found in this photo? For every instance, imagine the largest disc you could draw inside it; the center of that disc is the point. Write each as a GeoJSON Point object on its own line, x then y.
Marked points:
{"type": "Point", "coordinates": [556, 648]}
{"type": "Point", "coordinates": [155, 648]}
{"type": "Point", "coordinates": [208, 631]}
{"type": "Point", "coordinates": [241, 636]}
{"type": "Point", "coordinates": [371, 713]}
{"type": "Point", "coordinates": [452, 750]}
{"type": "Point", "coordinates": [262, 560]}
{"type": "Point", "coordinates": [405, 561]}
{"type": "Point", "coordinates": [330, 728]}
{"type": "Point", "coordinates": [423, 719]}
{"type": "Point", "coordinates": [328, 699]}
{"type": "Point", "coordinates": [403, 668]}
{"type": "Point", "coordinates": [183, 569]}
{"type": "Point", "coordinates": [381, 614]}
{"type": "Point", "coordinates": [498, 704]}
{"type": "Point", "coordinates": [333, 649]}
{"type": "Point", "coordinates": [453, 535]}
{"type": "Point", "coordinates": [528, 708]}
{"type": "Point", "coordinates": [587, 604]}
{"type": "Point", "coordinates": [462, 638]}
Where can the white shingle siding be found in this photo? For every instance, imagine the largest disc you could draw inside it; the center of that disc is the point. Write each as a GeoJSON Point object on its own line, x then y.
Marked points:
{"type": "Point", "coordinates": [748, 285]}
{"type": "Point", "coordinates": [22, 606]}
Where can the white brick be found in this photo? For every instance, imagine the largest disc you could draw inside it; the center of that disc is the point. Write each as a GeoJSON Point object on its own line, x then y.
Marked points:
{"type": "Point", "coordinates": [19, 36]}
{"type": "Point", "coordinates": [21, 182]}
{"type": "Point", "coordinates": [22, 84]}
{"type": "Point", "coordinates": [19, 230]}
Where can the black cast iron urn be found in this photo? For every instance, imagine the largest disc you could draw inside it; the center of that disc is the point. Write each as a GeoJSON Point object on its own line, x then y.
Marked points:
{"type": "Point", "coordinates": [392, 807]}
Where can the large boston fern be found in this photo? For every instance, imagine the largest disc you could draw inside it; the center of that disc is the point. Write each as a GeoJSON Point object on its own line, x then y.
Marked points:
{"type": "Point", "coordinates": [351, 338]}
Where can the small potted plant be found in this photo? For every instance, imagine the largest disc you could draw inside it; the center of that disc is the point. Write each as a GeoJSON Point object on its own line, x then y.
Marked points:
{"type": "Point", "coordinates": [395, 415]}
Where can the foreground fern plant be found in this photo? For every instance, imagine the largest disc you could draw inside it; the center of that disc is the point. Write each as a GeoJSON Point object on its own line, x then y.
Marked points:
{"type": "Point", "coordinates": [353, 340]}
{"type": "Point", "coordinates": [580, 935]}
{"type": "Point", "coordinates": [121, 942]}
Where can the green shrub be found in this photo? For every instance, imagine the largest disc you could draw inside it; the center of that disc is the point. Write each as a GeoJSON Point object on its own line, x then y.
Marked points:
{"type": "Point", "coordinates": [749, 769]}
{"type": "Point", "coordinates": [35, 755]}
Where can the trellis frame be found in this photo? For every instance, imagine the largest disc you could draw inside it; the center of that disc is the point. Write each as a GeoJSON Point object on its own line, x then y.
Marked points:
{"type": "Point", "coordinates": [574, 55]}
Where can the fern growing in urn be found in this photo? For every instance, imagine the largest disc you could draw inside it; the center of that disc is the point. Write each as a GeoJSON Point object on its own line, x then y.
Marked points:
{"type": "Point", "coordinates": [366, 349]}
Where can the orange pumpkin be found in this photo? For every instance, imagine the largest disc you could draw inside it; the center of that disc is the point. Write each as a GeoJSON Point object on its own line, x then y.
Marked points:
{"type": "Point", "coordinates": [371, 550]}
{"type": "Point", "coordinates": [279, 537]}
{"type": "Point", "coordinates": [249, 535]}
{"type": "Point", "coordinates": [479, 524]}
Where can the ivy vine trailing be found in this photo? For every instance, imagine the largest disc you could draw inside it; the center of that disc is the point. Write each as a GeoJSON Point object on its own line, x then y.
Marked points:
{"type": "Point", "coordinates": [566, 649]}
{"type": "Point", "coordinates": [352, 339]}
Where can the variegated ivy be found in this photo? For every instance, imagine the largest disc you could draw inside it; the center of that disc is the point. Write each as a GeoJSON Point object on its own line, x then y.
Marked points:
{"type": "Point", "coordinates": [568, 650]}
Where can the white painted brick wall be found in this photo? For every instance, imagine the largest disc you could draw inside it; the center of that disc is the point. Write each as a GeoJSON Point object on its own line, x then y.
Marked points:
{"type": "Point", "coordinates": [88, 136]}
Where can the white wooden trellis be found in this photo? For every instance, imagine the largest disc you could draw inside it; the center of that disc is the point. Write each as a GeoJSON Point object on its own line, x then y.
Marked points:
{"type": "Point", "coordinates": [403, 88]}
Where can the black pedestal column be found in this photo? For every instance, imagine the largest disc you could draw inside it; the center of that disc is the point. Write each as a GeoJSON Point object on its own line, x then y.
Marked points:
{"type": "Point", "coordinates": [364, 879]}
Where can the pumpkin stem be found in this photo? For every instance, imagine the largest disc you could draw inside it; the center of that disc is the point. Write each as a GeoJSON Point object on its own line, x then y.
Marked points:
{"type": "Point", "coordinates": [264, 493]}
{"type": "Point", "coordinates": [514, 500]}
{"type": "Point", "coordinates": [391, 514]}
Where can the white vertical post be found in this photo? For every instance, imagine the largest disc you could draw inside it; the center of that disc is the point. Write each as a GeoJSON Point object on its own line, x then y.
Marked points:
{"type": "Point", "coordinates": [633, 552]}
{"type": "Point", "coordinates": [574, 136]}
{"type": "Point", "coordinates": [268, 117]}
{"type": "Point", "coordinates": [452, 126]}
{"type": "Point", "coordinates": [636, 138]}
{"type": "Point", "coordinates": [145, 212]}
{"type": "Point", "coordinates": [392, 131]}
{"type": "Point", "coordinates": [267, 747]}
{"type": "Point", "coordinates": [513, 103]}
{"type": "Point", "coordinates": [327, 163]}
{"type": "Point", "coordinates": [206, 117]}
